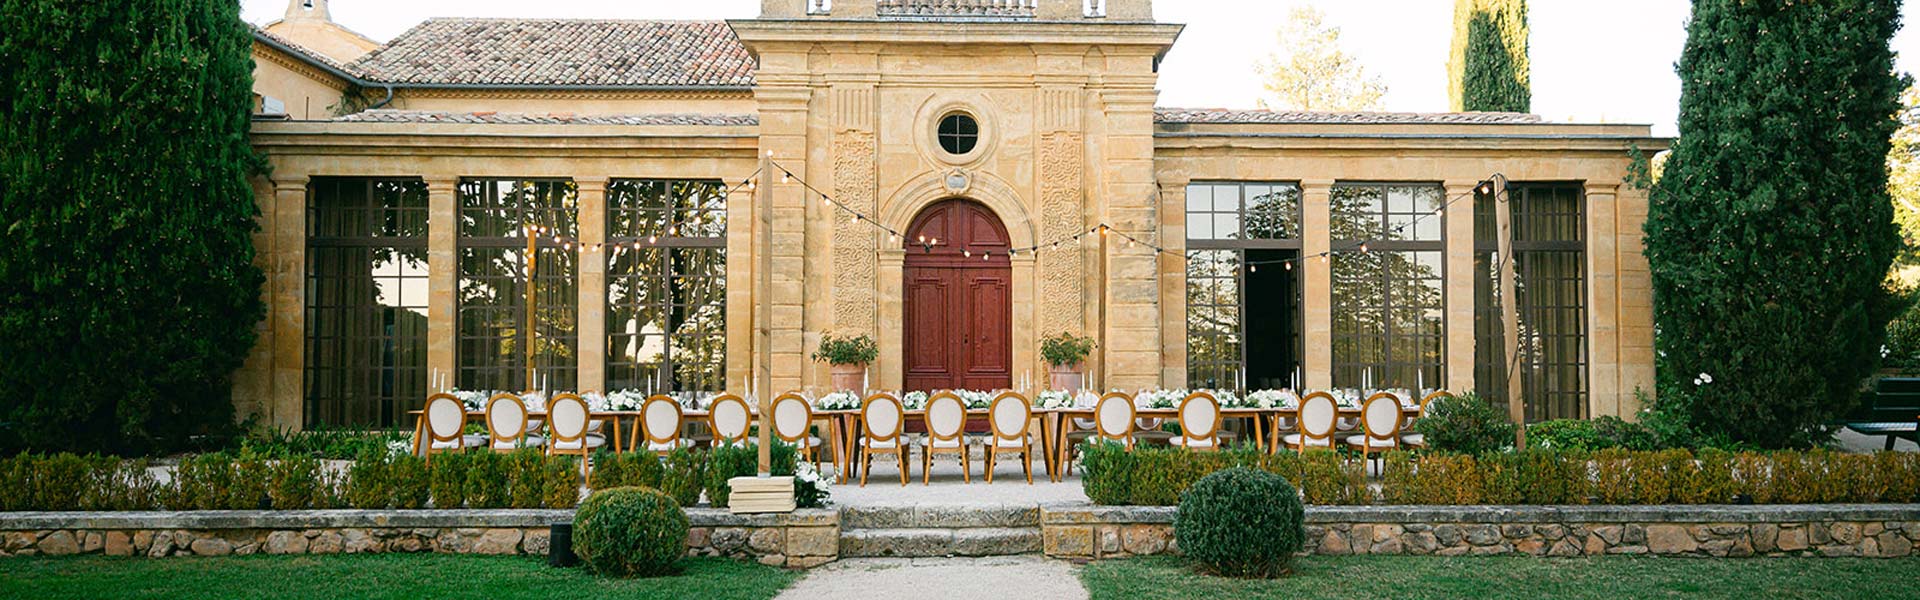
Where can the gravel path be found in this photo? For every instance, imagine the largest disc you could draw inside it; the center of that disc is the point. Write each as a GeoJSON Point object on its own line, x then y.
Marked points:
{"type": "Point", "coordinates": [940, 578]}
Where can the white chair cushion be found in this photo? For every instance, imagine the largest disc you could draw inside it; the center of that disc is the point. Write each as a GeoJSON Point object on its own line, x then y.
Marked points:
{"type": "Point", "coordinates": [531, 441]}
{"type": "Point", "coordinates": [1015, 443]}
{"type": "Point", "coordinates": [668, 446]}
{"type": "Point", "coordinates": [874, 444]}
{"type": "Point", "coordinates": [1413, 439]}
{"type": "Point", "coordinates": [933, 443]}
{"type": "Point", "coordinates": [593, 441]}
{"type": "Point", "coordinates": [1182, 441]}
{"type": "Point", "coordinates": [1363, 440]}
{"type": "Point", "coordinates": [1293, 439]}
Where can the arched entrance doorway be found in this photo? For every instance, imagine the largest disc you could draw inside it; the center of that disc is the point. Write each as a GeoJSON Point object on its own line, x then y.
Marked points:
{"type": "Point", "coordinates": [958, 325]}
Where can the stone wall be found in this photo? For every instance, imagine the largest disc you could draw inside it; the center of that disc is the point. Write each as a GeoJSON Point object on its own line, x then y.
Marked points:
{"type": "Point", "coordinates": [805, 538]}
{"type": "Point", "coordinates": [1881, 531]}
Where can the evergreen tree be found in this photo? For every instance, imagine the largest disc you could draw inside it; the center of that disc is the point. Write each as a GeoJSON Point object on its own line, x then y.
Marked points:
{"type": "Point", "coordinates": [1488, 68]}
{"type": "Point", "coordinates": [1770, 233]}
{"type": "Point", "coordinates": [128, 293]}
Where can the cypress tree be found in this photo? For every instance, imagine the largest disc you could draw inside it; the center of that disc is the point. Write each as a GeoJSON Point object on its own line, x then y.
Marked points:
{"type": "Point", "coordinates": [128, 293]}
{"type": "Point", "coordinates": [1770, 233]}
{"type": "Point", "coordinates": [1488, 68]}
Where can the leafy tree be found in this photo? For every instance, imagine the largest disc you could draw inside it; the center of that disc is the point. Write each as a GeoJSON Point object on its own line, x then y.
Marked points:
{"type": "Point", "coordinates": [1903, 182]}
{"type": "Point", "coordinates": [1771, 231]}
{"type": "Point", "coordinates": [1312, 72]}
{"type": "Point", "coordinates": [1488, 68]}
{"type": "Point", "coordinates": [128, 293]}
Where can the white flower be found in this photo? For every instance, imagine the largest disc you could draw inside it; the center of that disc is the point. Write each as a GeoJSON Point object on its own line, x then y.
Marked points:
{"type": "Point", "coordinates": [1054, 399]}
{"type": "Point", "coordinates": [837, 401]}
{"type": "Point", "coordinates": [1883, 351]}
{"type": "Point", "coordinates": [914, 400]}
{"type": "Point", "coordinates": [1702, 379]}
{"type": "Point", "coordinates": [399, 447]}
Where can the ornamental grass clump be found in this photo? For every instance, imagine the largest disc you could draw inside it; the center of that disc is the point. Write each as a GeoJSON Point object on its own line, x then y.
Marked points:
{"type": "Point", "coordinates": [1241, 522]}
{"type": "Point", "coordinates": [630, 531]}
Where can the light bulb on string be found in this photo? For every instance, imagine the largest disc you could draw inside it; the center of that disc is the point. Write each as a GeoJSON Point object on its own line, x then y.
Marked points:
{"type": "Point", "coordinates": [966, 253]}
{"type": "Point", "coordinates": [652, 238]}
{"type": "Point", "coordinates": [784, 176]}
{"type": "Point", "coordinates": [1289, 265]}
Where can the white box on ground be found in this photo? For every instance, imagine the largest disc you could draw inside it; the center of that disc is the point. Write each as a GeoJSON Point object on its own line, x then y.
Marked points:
{"type": "Point", "coordinates": [754, 494]}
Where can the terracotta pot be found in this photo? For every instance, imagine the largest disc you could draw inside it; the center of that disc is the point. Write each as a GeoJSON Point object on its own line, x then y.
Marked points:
{"type": "Point", "coordinates": [1067, 378]}
{"type": "Point", "coordinates": [848, 378]}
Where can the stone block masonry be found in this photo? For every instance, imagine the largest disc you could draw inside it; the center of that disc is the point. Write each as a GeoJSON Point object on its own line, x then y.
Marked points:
{"type": "Point", "coordinates": [1084, 532]}
{"type": "Point", "coordinates": [802, 539]}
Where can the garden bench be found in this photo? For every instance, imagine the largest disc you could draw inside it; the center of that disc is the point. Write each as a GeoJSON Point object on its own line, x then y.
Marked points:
{"type": "Point", "coordinates": [1890, 409]}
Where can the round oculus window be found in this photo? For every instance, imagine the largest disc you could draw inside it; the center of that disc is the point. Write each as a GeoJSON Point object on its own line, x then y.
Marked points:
{"type": "Point", "coordinates": [958, 133]}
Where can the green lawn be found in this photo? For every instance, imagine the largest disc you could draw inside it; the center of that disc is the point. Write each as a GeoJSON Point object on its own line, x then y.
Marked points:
{"type": "Point", "coordinates": [1487, 578]}
{"type": "Point", "coordinates": [398, 576]}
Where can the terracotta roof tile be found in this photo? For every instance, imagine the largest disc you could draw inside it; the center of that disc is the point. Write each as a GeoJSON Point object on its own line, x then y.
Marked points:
{"type": "Point", "coordinates": [562, 52]}
{"type": "Point", "coordinates": [420, 116]}
{"type": "Point", "coordinates": [1223, 116]}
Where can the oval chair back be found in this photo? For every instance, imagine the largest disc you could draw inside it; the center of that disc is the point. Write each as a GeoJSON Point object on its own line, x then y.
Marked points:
{"type": "Point", "coordinates": [1011, 417]}
{"type": "Point", "coordinates": [792, 416]}
{"type": "Point", "coordinates": [506, 421]}
{"type": "Point", "coordinates": [1113, 417]}
{"type": "Point", "coordinates": [1424, 401]}
{"type": "Point", "coordinates": [880, 417]}
{"type": "Point", "coordinates": [659, 424]}
{"type": "Point", "coordinates": [1380, 417]}
{"type": "Point", "coordinates": [1318, 412]}
{"type": "Point", "coordinates": [946, 417]}
{"type": "Point", "coordinates": [730, 418]}
{"type": "Point", "coordinates": [1199, 422]}
{"type": "Point", "coordinates": [567, 416]}
{"type": "Point", "coordinates": [446, 419]}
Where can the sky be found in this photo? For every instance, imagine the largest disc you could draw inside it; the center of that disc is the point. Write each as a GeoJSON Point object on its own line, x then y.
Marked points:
{"type": "Point", "coordinates": [1593, 61]}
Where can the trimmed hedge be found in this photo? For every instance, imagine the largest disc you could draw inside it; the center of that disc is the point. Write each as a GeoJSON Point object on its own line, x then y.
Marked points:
{"type": "Point", "coordinates": [252, 481]}
{"type": "Point", "coordinates": [1158, 476]}
{"type": "Point", "coordinates": [629, 531]}
{"type": "Point", "coordinates": [1240, 522]}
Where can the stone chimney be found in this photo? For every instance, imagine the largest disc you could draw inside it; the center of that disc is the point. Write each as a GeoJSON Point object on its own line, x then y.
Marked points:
{"type": "Point", "coordinates": [310, 24]}
{"type": "Point", "coordinates": [307, 10]}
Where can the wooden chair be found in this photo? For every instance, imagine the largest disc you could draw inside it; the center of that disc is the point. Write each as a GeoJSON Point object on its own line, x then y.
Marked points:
{"type": "Point", "coordinates": [567, 423]}
{"type": "Point", "coordinates": [1010, 417]}
{"type": "Point", "coordinates": [792, 418]}
{"type": "Point", "coordinates": [1417, 440]}
{"type": "Point", "coordinates": [1113, 420]}
{"type": "Point", "coordinates": [507, 424]}
{"type": "Point", "coordinates": [658, 428]}
{"type": "Point", "coordinates": [1199, 422]}
{"type": "Point", "coordinates": [730, 419]}
{"type": "Point", "coordinates": [1379, 425]}
{"type": "Point", "coordinates": [946, 417]}
{"type": "Point", "coordinates": [1318, 411]}
{"type": "Point", "coordinates": [881, 418]}
{"type": "Point", "coordinates": [446, 424]}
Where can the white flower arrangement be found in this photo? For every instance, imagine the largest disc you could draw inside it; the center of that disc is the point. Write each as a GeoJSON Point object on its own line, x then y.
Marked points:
{"type": "Point", "coordinates": [974, 399]}
{"type": "Point", "coordinates": [626, 400]}
{"type": "Point", "coordinates": [401, 447]}
{"type": "Point", "coordinates": [837, 401]}
{"type": "Point", "coordinates": [472, 399]}
{"type": "Point", "coordinates": [806, 471]}
{"type": "Point", "coordinates": [595, 401]}
{"type": "Point", "coordinates": [1158, 399]}
{"type": "Point", "coordinates": [1272, 399]}
{"type": "Point", "coordinates": [1054, 399]}
{"type": "Point", "coordinates": [914, 400]}
{"type": "Point", "coordinates": [1226, 398]}
{"type": "Point", "coordinates": [534, 401]}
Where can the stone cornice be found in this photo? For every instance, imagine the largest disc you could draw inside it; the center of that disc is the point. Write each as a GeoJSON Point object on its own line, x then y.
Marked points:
{"type": "Point", "coordinates": [297, 65]}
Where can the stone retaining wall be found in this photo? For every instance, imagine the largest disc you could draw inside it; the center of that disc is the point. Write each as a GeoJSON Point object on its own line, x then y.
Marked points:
{"type": "Point", "coordinates": [803, 539]}
{"type": "Point", "coordinates": [1093, 532]}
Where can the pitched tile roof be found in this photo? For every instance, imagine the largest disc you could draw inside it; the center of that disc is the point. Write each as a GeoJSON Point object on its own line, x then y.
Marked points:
{"type": "Point", "coordinates": [562, 52]}
{"type": "Point", "coordinates": [421, 116]}
{"type": "Point", "coordinates": [1223, 116]}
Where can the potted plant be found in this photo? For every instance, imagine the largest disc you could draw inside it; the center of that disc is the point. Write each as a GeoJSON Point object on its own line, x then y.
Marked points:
{"type": "Point", "coordinates": [849, 357]}
{"type": "Point", "coordinates": [1066, 356]}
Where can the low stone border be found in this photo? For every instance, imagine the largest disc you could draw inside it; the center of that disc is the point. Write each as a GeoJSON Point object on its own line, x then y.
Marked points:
{"type": "Point", "coordinates": [802, 539]}
{"type": "Point", "coordinates": [1081, 531]}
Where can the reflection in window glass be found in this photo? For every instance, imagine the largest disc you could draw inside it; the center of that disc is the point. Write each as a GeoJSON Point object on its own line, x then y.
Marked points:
{"type": "Point", "coordinates": [366, 319]}
{"type": "Point", "coordinates": [1213, 318]}
{"type": "Point", "coordinates": [1388, 301]}
{"type": "Point", "coordinates": [493, 330]}
{"type": "Point", "coordinates": [1233, 228]}
{"type": "Point", "coordinates": [1549, 268]}
{"type": "Point", "coordinates": [666, 285]}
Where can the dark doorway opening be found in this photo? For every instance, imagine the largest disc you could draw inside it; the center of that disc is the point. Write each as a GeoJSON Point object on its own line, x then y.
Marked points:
{"type": "Point", "coordinates": [1271, 312]}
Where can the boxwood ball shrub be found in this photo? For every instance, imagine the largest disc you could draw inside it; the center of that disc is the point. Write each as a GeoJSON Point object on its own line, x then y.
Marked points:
{"type": "Point", "coordinates": [630, 531]}
{"type": "Point", "coordinates": [1241, 522]}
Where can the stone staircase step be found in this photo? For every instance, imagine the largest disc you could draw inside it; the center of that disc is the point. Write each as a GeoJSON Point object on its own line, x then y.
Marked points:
{"type": "Point", "coordinates": [939, 517]}
{"type": "Point", "coordinates": [968, 541]}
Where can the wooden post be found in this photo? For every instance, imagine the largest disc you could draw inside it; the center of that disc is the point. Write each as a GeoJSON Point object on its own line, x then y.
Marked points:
{"type": "Point", "coordinates": [763, 315]}
{"type": "Point", "coordinates": [1509, 310]}
{"type": "Point", "coordinates": [533, 329]}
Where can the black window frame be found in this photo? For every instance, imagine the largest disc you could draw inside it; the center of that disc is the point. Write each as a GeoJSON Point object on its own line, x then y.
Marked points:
{"type": "Point", "coordinates": [557, 287]}
{"type": "Point", "coordinates": [1347, 371]}
{"type": "Point", "coordinates": [357, 391]}
{"type": "Point", "coordinates": [655, 243]}
{"type": "Point", "coordinates": [953, 135]}
{"type": "Point", "coordinates": [1222, 372]}
{"type": "Point", "coordinates": [1537, 235]}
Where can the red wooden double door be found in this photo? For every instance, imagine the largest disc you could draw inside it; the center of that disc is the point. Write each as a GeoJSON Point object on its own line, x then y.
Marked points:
{"type": "Point", "coordinates": [959, 299]}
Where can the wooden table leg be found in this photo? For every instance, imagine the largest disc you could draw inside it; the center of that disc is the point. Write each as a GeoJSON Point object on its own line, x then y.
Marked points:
{"type": "Point", "coordinates": [419, 433]}
{"type": "Point", "coordinates": [1046, 444]}
{"type": "Point", "coordinates": [1064, 425]}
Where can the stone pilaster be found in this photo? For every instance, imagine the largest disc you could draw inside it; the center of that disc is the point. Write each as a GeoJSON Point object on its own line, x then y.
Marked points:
{"type": "Point", "coordinates": [854, 181]}
{"type": "Point", "coordinates": [1132, 302]}
{"type": "Point", "coordinates": [1317, 299]}
{"type": "Point", "coordinates": [288, 282]}
{"type": "Point", "coordinates": [592, 315]}
{"type": "Point", "coordinates": [1460, 276]}
{"type": "Point", "coordinates": [443, 276]}
{"type": "Point", "coordinates": [1173, 282]}
{"type": "Point", "coordinates": [1062, 179]}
